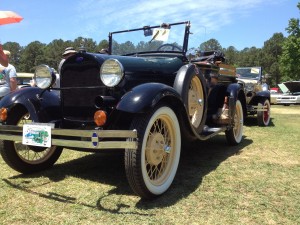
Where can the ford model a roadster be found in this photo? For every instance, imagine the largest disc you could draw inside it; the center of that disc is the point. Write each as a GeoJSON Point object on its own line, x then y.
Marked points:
{"type": "Point", "coordinates": [258, 96]}
{"type": "Point", "coordinates": [145, 96]}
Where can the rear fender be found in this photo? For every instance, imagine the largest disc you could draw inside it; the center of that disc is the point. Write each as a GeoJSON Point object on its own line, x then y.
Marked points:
{"type": "Point", "coordinates": [146, 96]}
{"type": "Point", "coordinates": [235, 92]}
{"type": "Point", "coordinates": [42, 107]}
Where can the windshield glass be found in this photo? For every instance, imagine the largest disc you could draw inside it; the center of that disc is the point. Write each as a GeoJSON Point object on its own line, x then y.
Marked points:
{"type": "Point", "coordinates": [168, 38]}
{"type": "Point", "coordinates": [249, 72]}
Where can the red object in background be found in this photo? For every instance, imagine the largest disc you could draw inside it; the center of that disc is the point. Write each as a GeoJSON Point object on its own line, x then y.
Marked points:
{"type": "Point", "coordinates": [7, 17]}
{"type": "Point", "coordinates": [274, 89]}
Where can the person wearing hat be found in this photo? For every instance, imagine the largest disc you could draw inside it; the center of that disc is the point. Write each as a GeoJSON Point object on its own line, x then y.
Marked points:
{"type": "Point", "coordinates": [3, 57]}
{"type": "Point", "coordinates": [69, 51]}
{"type": "Point", "coordinates": [8, 77]}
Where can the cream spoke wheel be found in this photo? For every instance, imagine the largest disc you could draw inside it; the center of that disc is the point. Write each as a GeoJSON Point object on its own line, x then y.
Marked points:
{"type": "Point", "coordinates": [26, 158]}
{"type": "Point", "coordinates": [152, 167]}
{"type": "Point", "coordinates": [234, 134]}
{"type": "Point", "coordinates": [196, 101]}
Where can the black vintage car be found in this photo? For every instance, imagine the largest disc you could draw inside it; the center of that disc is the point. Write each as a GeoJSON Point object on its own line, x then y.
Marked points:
{"type": "Point", "coordinates": [258, 96]}
{"type": "Point", "coordinates": [146, 96]}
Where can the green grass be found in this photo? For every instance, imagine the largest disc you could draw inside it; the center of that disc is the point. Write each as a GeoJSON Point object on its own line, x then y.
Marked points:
{"type": "Point", "coordinates": [257, 182]}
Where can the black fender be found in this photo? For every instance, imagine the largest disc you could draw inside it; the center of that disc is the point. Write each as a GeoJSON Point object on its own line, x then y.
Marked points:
{"type": "Point", "coordinates": [145, 96]}
{"type": "Point", "coordinates": [42, 105]}
{"type": "Point", "coordinates": [260, 95]}
{"type": "Point", "coordinates": [182, 84]}
{"type": "Point", "coordinates": [235, 92]}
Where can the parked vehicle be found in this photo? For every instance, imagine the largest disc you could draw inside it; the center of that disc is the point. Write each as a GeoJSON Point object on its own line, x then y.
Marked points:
{"type": "Point", "coordinates": [24, 79]}
{"type": "Point", "coordinates": [145, 96]}
{"type": "Point", "coordinates": [257, 94]}
{"type": "Point", "coordinates": [290, 93]}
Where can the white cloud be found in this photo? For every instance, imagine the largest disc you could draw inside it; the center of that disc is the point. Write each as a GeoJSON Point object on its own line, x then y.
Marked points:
{"type": "Point", "coordinates": [97, 18]}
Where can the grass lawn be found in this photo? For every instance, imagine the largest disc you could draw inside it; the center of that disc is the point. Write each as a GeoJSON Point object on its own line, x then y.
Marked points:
{"type": "Point", "coordinates": [257, 182]}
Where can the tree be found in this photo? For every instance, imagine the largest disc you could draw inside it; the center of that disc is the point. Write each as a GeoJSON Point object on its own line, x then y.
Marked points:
{"type": "Point", "coordinates": [53, 52]}
{"type": "Point", "coordinates": [32, 56]}
{"type": "Point", "coordinates": [231, 54]}
{"type": "Point", "coordinates": [249, 57]}
{"type": "Point", "coordinates": [290, 58]}
{"type": "Point", "coordinates": [271, 52]}
{"type": "Point", "coordinates": [102, 44]}
{"type": "Point", "coordinates": [210, 45]}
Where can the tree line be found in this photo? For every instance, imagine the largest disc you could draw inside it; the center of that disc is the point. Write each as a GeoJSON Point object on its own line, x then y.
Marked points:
{"type": "Point", "coordinates": [279, 56]}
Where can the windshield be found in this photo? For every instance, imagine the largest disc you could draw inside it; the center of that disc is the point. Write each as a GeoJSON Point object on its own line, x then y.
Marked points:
{"type": "Point", "coordinates": [249, 72]}
{"type": "Point", "coordinates": [164, 38]}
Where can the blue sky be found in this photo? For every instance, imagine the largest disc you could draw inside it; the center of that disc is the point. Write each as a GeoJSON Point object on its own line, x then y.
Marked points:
{"type": "Point", "coordinates": [241, 23]}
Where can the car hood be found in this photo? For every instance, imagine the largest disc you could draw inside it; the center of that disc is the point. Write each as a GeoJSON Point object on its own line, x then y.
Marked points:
{"type": "Point", "coordinates": [292, 86]}
{"type": "Point", "coordinates": [247, 81]}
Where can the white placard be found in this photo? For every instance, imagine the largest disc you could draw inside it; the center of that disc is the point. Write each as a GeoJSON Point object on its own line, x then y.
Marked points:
{"type": "Point", "coordinates": [37, 134]}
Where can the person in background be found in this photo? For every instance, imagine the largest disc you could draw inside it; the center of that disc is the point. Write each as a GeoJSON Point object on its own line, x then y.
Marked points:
{"type": "Point", "coordinates": [66, 54]}
{"type": "Point", "coordinates": [8, 77]}
{"type": "Point", "coordinates": [3, 57]}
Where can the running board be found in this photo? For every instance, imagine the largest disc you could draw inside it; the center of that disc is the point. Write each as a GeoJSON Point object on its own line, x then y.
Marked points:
{"type": "Point", "coordinates": [210, 132]}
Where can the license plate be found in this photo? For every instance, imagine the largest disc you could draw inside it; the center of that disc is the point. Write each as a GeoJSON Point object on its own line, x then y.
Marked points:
{"type": "Point", "coordinates": [37, 134]}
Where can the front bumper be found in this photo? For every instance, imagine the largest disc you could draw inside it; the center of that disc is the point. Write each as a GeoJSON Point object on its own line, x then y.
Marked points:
{"type": "Point", "coordinates": [85, 139]}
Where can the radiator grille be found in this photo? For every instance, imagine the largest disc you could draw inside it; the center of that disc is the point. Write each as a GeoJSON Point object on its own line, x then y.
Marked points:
{"type": "Point", "coordinates": [80, 84]}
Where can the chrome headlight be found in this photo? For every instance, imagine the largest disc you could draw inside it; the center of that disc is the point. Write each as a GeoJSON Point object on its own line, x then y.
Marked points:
{"type": "Point", "coordinates": [43, 76]}
{"type": "Point", "coordinates": [111, 72]}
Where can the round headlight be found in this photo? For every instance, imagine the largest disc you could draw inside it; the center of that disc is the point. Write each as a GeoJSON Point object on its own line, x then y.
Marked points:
{"type": "Point", "coordinates": [43, 76]}
{"type": "Point", "coordinates": [111, 72]}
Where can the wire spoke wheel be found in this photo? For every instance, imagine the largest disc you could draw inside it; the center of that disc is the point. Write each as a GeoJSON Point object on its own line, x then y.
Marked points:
{"type": "Point", "coordinates": [196, 101]}
{"type": "Point", "coordinates": [235, 134]}
{"type": "Point", "coordinates": [264, 116]}
{"type": "Point", "coordinates": [152, 167]}
{"type": "Point", "coordinates": [26, 158]}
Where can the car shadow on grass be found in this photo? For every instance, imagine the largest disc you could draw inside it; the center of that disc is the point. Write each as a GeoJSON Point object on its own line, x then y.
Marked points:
{"type": "Point", "coordinates": [197, 160]}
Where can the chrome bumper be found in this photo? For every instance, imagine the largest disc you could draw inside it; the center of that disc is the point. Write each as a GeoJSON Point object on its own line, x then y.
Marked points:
{"type": "Point", "coordinates": [87, 139]}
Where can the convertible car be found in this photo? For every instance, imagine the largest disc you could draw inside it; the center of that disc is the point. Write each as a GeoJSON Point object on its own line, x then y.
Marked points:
{"type": "Point", "coordinates": [144, 95]}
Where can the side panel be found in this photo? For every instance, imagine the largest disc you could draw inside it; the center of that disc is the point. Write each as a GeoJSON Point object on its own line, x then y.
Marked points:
{"type": "Point", "coordinates": [42, 107]}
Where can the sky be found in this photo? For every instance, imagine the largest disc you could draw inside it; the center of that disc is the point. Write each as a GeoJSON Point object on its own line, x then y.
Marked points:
{"type": "Point", "coordinates": [240, 23]}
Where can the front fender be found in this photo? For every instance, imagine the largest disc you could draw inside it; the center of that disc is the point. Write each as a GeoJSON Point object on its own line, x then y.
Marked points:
{"type": "Point", "coordinates": [41, 107]}
{"type": "Point", "coordinates": [145, 96]}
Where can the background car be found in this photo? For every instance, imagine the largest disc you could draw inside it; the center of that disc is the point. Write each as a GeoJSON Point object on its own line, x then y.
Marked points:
{"type": "Point", "coordinates": [24, 79]}
{"type": "Point", "coordinates": [290, 93]}
{"type": "Point", "coordinates": [257, 93]}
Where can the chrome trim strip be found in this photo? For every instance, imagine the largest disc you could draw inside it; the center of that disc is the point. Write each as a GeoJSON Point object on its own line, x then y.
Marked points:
{"type": "Point", "coordinates": [61, 137]}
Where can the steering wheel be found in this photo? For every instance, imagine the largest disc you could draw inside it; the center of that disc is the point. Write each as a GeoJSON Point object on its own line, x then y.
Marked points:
{"type": "Point", "coordinates": [168, 47]}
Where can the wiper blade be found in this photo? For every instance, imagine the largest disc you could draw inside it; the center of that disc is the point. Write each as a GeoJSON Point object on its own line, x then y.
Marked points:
{"type": "Point", "coordinates": [155, 35]}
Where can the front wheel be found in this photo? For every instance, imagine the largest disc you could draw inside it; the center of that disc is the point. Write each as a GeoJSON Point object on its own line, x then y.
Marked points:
{"type": "Point", "coordinates": [263, 117]}
{"type": "Point", "coordinates": [25, 158]}
{"type": "Point", "coordinates": [151, 168]}
{"type": "Point", "coordinates": [235, 134]}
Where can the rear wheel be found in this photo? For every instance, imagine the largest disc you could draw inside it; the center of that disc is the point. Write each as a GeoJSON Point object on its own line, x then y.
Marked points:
{"type": "Point", "coordinates": [234, 134]}
{"type": "Point", "coordinates": [196, 102]}
{"type": "Point", "coordinates": [151, 168]}
{"type": "Point", "coordinates": [192, 90]}
{"type": "Point", "coordinates": [25, 158]}
{"type": "Point", "coordinates": [263, 117]}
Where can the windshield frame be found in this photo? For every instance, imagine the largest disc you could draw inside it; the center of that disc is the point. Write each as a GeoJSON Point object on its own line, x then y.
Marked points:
{"type": "Point", "coordinates": [164, 25]}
